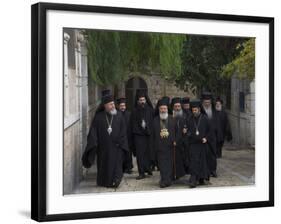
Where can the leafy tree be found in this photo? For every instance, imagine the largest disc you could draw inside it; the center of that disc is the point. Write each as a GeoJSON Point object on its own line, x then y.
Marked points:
{"type": "Point", "coordinates": [203, 58]}
{"type": "Point", "coordinates": [244, 63]}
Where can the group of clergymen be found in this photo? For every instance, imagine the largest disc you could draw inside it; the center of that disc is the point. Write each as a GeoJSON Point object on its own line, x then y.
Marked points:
{"type": "Point", "coordinates": [176, 138]}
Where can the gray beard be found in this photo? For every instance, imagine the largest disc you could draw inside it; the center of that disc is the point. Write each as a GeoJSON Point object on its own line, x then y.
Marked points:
{"type": "Point", "coordinates": [178, 113]}
{"type": "Point", "coordinates": [196, 114]}
{"type": "Point", "coordinates": [113, 112]}
{"type": "Point", "coordinates": [163, 116]}
{"type": "Point", "coordinates": [219, 108]}
{"type": "Point", "coordinates": [209, 112]}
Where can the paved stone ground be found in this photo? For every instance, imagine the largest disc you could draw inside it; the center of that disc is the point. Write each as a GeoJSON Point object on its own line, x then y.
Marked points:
{"type": "Point", "coordinates": [235, 168]}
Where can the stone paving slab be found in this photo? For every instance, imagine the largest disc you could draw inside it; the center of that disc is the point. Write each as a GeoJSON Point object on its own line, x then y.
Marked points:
{"type": "Point", "coordinates": [235, 168]}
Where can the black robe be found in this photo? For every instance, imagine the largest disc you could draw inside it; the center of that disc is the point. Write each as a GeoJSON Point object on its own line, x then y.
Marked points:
{"type": "Point", "coordinates": [186, 117]}
{"type": "Point", "coordinates": [224, 131]}
{"type": "Point", "coordinates": [108, 148]}
{"type": "Point", "coordinates": [164, 149]}
{"type": "Point", "coordinates": [127, 157]}
{"type": "Point", "coordinates": [198, 150]}
{"type": "Point", "coordinates": [187, 113]}
{"type": "Point", "coordinates": [142, 140]}
{"type": "Point", "coordinates": [180, 160]}
{"type": "Point", "coordinates": [213, 135]}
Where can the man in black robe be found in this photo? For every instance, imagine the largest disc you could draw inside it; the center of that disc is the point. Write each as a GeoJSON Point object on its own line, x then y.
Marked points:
{"type": "Point", "coordinates": [185, 104]}
{"type": "Point", "coordinates": [199, 137]}
{"type": "Point", "coordinates": [107, 139]}
{"type": "Point", "coordinates": [225, 129]}
{"type": "Point", "coordinates": [209, 110]}
{"type": "Point", "coordinates": [180, 154]}
{"type": "Point", "coordinates": [127, 157]}
{"type": "Point", "coordinates": [164, 143]}
{"type": "Point", "coordinates": [141, 123]}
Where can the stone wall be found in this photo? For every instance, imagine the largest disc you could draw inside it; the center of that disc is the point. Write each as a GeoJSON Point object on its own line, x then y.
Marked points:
{"type": "Point", "coordinates": [243, 122]}
{"type": "Point", "coordinates": [75, 107]}
{"type": "Point", "coordinates": [72, 165]}
{"type": "Point", "coordinates": [157, 87]}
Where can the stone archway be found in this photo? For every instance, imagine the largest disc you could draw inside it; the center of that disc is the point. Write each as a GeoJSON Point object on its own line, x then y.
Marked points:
{"type": "Point", "coordinates": [130, 90]}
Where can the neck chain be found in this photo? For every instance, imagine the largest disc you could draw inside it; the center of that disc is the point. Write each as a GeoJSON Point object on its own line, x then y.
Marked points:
{"type": "Point", "coordinates": [197, 125]}
{"type": "Point", "coordinates": [164, 133]}
{"type": "Point", "coordinates": [109, 129]}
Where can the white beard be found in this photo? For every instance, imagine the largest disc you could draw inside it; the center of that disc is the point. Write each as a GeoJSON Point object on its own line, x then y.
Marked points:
{"type": "Point", "coordinates": [209, 112]}
{"type": "Point", "coordinates": [177, 113]}
{"type": "Point", "coordinates": [113, 112]}
{"type": "Point", "coordinates": [163, 116]}
{"type": "Point", "coordinates": [218, 108]}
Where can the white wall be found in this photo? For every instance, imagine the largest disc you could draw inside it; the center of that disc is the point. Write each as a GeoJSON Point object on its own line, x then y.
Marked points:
{"type": "Point", "coordinates": [15, 110]}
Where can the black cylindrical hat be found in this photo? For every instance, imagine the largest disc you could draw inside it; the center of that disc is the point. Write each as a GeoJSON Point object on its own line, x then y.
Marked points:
{"type": "Point", "coordinates": [175, 100]}
{"type": "Point", "coordinates": [195, 103]}
{"type": "Point", "coordinates": [185, 100]}
{"type": "Point", "coordinates": [121, 100]}
{"type": "Point", "coordinates": [106, 99]}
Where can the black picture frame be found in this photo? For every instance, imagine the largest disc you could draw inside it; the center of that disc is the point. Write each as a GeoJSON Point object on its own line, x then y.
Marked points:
{"type": "Point", "coordinates": [39, 114]}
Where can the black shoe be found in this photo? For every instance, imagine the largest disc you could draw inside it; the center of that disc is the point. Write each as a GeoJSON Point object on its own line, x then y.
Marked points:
{"type": "Point", "coordinates": [163, 185]}
{"type": "Point", "coordinates": [116, 183]}
{"type": "Point", "coordinates": [149, 173]}
{"type": "Point", "coordinates": [141, 176]}
{"type": "Point", "coordinates": [192, 182]}
{"type": "Point", "coordinates": [214, 174]}
{"type": "Point", "coordinates": [128, 171]}
{"type": "Point", "coordinates": [202, 182]}
{"type": "Point", "coordinates": [193, 185]}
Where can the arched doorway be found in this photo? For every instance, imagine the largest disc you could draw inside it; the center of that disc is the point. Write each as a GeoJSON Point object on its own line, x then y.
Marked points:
{"type": "Point", "coordinates": [131, 86]}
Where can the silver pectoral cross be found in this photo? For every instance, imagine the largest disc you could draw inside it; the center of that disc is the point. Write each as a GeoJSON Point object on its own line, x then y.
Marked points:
{"type": "Point", "coordinates": [143, 124]}
{"type": "Point", "coordinates": [109, 130]}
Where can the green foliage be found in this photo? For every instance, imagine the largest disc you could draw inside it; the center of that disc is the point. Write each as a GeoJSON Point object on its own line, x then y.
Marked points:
{"type": "Point", "coordinates": [244, 63]}
{"type": "Point", "coordinates": [203, 58]}
{"type": "Point", "coordinates": [113, 55]}
{"type": "Point", "coordinates": [170, 55]}
{"type": "Point", "coordinates": [104, 67]}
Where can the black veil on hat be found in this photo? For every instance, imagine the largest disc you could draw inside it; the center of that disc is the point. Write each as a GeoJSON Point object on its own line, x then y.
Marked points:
{"type": "Point", "coordinates": [218, 99]}
{"type": "Point", "coordinates": [142, 93]}
{"type": "Point", "coordinates": [166, 99]}
{"type": "Point", "coordinates": [174, 101]}
{"type": "Point", "coordinates": [163, 102]}
{"type": "Point", "coordinates": [106, 97]}
{"type": "Point", "coordinates": [206, 96]}
{"type": "Point", "coordinates": [185, 100]}
{"type": "Point", "coordinates": [195, 103]}
{"type": "Point", "coordinates": [121, 100]}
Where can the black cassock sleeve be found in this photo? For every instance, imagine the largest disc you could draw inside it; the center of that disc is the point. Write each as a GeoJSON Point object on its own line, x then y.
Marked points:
{"type": "Point", "coordinates": [131, 125]}
{"type": "Point", "coordinates": [88, 156]}
{"type": "Point", "coordinates": [122, 140]}
{"type": "Point", "coordinates": [210, 132]}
